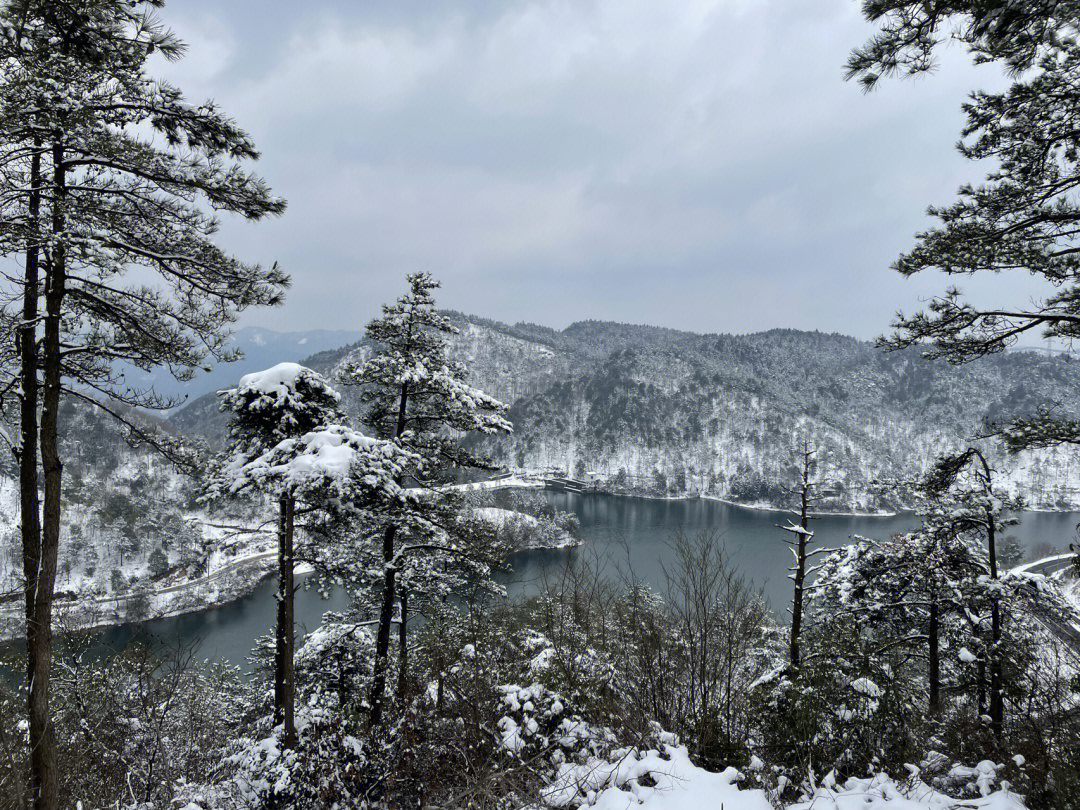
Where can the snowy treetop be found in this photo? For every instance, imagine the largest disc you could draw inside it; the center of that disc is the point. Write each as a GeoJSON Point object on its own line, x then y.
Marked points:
{"type": "Point", "coordinates": [281, 402]}
{"type": "Point", "coordinates": [335, 462]}
{"type": "Point", "coordinates": [280, 386]}
{"type": "Point", "coordinates": [279, 380]}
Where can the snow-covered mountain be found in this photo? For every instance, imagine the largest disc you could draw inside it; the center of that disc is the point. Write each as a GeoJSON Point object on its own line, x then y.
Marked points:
{"type": "Point", "coordinates": [667, 412]}
{"type": "Point", "coordinates": [127, 513]}
{"type": "Point", "coordinates": [647, 410]}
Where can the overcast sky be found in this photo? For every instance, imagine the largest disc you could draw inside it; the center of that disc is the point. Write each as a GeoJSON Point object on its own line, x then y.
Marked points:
{"type": "Point", "coordinates": [699, 165]}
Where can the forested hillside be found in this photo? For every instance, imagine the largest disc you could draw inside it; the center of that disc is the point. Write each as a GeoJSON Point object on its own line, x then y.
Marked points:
{"type": "Point", "coordinates": [664, 412]}
{"type": "Point", "coordinates": [129, 512]}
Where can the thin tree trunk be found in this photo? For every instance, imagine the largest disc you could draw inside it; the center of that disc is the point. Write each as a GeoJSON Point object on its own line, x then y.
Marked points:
{"type": "Point", "coordinates": [39, 647]}
{"type": "Point", "coordinates": [796, 604]}
{"type": "Point", "coordinates": [997, 703]}
{"type": "Point", "coordinates": [800, 561]}
{"type": "Point", "coordinates": [935, 660]}
{"type": "Point", "coordinates": [284, 659]}
{"type": "Point", "coordinates": [382, 637]}
{"type": "Point", "coordinates": [386, 612]}
{"type": "Point", "coordinates": [403, 646]}
{"type": "Point", "coordinates": [980, 673]}
{"type": "Point", "coordinates": [27, 451]}
{"type": "Point", "coordinates": [279, 624]}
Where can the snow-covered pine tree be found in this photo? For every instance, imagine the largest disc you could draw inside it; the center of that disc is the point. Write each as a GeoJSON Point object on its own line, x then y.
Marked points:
{"type": "Point", "coordinates": [281, 404]}
{"type": "Point", "coordinates": [413, 393]}
{"type": "Point", "coordinates": [965, 482]}
{"type": "Point", "coordinates": [921, 602]}
{"type": "Point", "coordinates": [110, 170]}
{"type": "Point", "coordinates": [917, 592]}
{"type": "Point", "coordinates": [450, 568]}
{"type": "Point", "coordinates": [1024, 217]}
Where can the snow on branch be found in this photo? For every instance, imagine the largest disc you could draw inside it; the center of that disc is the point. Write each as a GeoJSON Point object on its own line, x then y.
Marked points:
{"type": "Point", "coordinates": [791, 527]}
{"type": "Point", "coordinates": [335, 462]}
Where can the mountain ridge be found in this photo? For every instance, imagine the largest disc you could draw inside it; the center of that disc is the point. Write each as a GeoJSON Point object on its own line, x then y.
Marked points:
{"type": "Point", "coordinates": [260, 347]}
{"type": "Point", "coordinates": [671, 412]}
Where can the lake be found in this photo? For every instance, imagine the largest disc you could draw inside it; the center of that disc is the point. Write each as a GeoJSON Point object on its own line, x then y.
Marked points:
{"type": "Point", "coordinates": [616, 529]}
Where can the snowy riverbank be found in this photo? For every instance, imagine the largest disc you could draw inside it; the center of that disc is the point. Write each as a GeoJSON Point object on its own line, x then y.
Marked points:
{"type": "Point", "coordinates": [765, 506]}
{"type": "Point", "coordinates": [534, 479]}
{"type": "Point", "coordinates": [234, 572]}
{"type": "Point", "coordinates": [150, 601]}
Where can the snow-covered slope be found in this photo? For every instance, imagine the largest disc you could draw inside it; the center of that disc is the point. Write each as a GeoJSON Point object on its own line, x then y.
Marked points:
{"type": "Point", "coordinates": [670, 413]}
{"type": "Point", "coordinates": [131, 529]}
{"type": "Point", "coordinates": [722, 416]}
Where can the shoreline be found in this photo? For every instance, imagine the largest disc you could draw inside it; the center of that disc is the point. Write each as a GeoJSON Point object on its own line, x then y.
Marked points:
{"type": "Point", "coordinates": [769, 507]}
{"type": "Point", "coordinates": [220, 588]}
{"type": "Point", "coordinates": [233, 582]}
{"type": "Point", "coordinates": [239, 577]}
{"type": "Point", "coordinates": [765, 507]}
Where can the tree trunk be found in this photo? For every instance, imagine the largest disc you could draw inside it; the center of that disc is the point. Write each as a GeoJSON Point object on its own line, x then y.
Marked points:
{"type": "Point", "coordinates": [796, 602]}
{"type": "Point", "coordinates": [800, 563]}
{"type": "Point", "coordinates": [935, 659]}
{"type": "Point", "coordinates": [382, 637]}
{"type": "Point", "coordinates": [29, 506]}
{"type": "Point", "coordinates": [284, 659]}
{"type": "Point", "coordinates": [997, 703]}
{"type": "Point", "coordinates": [403, 647]}
{"type": "Point", "coordinates": [980, 693]}
{"type": "Point", "coordinates": [386, 613]}
{"type": "Point", "coordinates": [43, 768]}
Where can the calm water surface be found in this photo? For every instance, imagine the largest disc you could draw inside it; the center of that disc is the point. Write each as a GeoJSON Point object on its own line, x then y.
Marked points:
{"type": "Point", "coordinates": [617, 531]}
{"type": "Point", "coordinates": [639, 530]}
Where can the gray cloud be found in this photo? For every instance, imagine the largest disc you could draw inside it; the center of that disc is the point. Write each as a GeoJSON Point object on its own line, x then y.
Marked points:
{"type": "Point", "coordinates": [700, 165]}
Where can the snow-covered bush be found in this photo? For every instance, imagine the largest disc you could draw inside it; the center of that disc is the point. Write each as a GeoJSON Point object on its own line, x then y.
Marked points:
{"type": "Point", "coordinates": [841, 706]}
{"type": "Point", "coordinates": [897, 661]}
{"type": "Point", "coordinates": [128, 726]}
{"type": "Point", "coordinates": [631, 656]}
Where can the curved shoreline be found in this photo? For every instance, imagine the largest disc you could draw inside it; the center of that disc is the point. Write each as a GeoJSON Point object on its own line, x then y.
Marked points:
{"type": "Point", "coordinates": [239, 577]}
{"type": "Point", "coordinates": [232, 581]}
{"type": "Point", "coordinates": [758, 506]}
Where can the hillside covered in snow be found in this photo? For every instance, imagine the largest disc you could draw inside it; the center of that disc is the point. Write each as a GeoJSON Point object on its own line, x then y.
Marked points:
{"type": "Point", "coordinates": [662, 412]}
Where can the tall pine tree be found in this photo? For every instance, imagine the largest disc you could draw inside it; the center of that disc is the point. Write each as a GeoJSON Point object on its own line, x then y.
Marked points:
{"type": "Point", "coordinates": [283, 403]}
{"type": "Point", "coordinates": [110, 172]}
{"type": "Point", "coordinates": [966, 480]}
{"type": "Point", "coordinates": [1025, 216]}
{"type": "Point", "coordinates": [414, 394]}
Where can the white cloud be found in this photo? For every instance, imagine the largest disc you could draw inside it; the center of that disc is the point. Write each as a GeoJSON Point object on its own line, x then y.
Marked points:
{"type": "Point", "coordinates": [339, 66]}
{"type": "Point", "coordinates": [606, 139]}
{"type": "Point", "coordinates": [457, 218]}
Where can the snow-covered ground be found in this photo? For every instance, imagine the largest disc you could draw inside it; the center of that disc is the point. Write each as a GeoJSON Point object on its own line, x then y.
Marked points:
{"type": "Point", "coordinates": [1058, 568]}
{"type": "Point", "coordinates": [668, 780]}
{"type": "Point", "coordinates": [528, 531]}
{"type": "Point", "coordinates": [233, 570]}
{"type": "Point", "coordinates": [518, 480]}
{"type": "Point", "coordinates": [1056, 562]}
